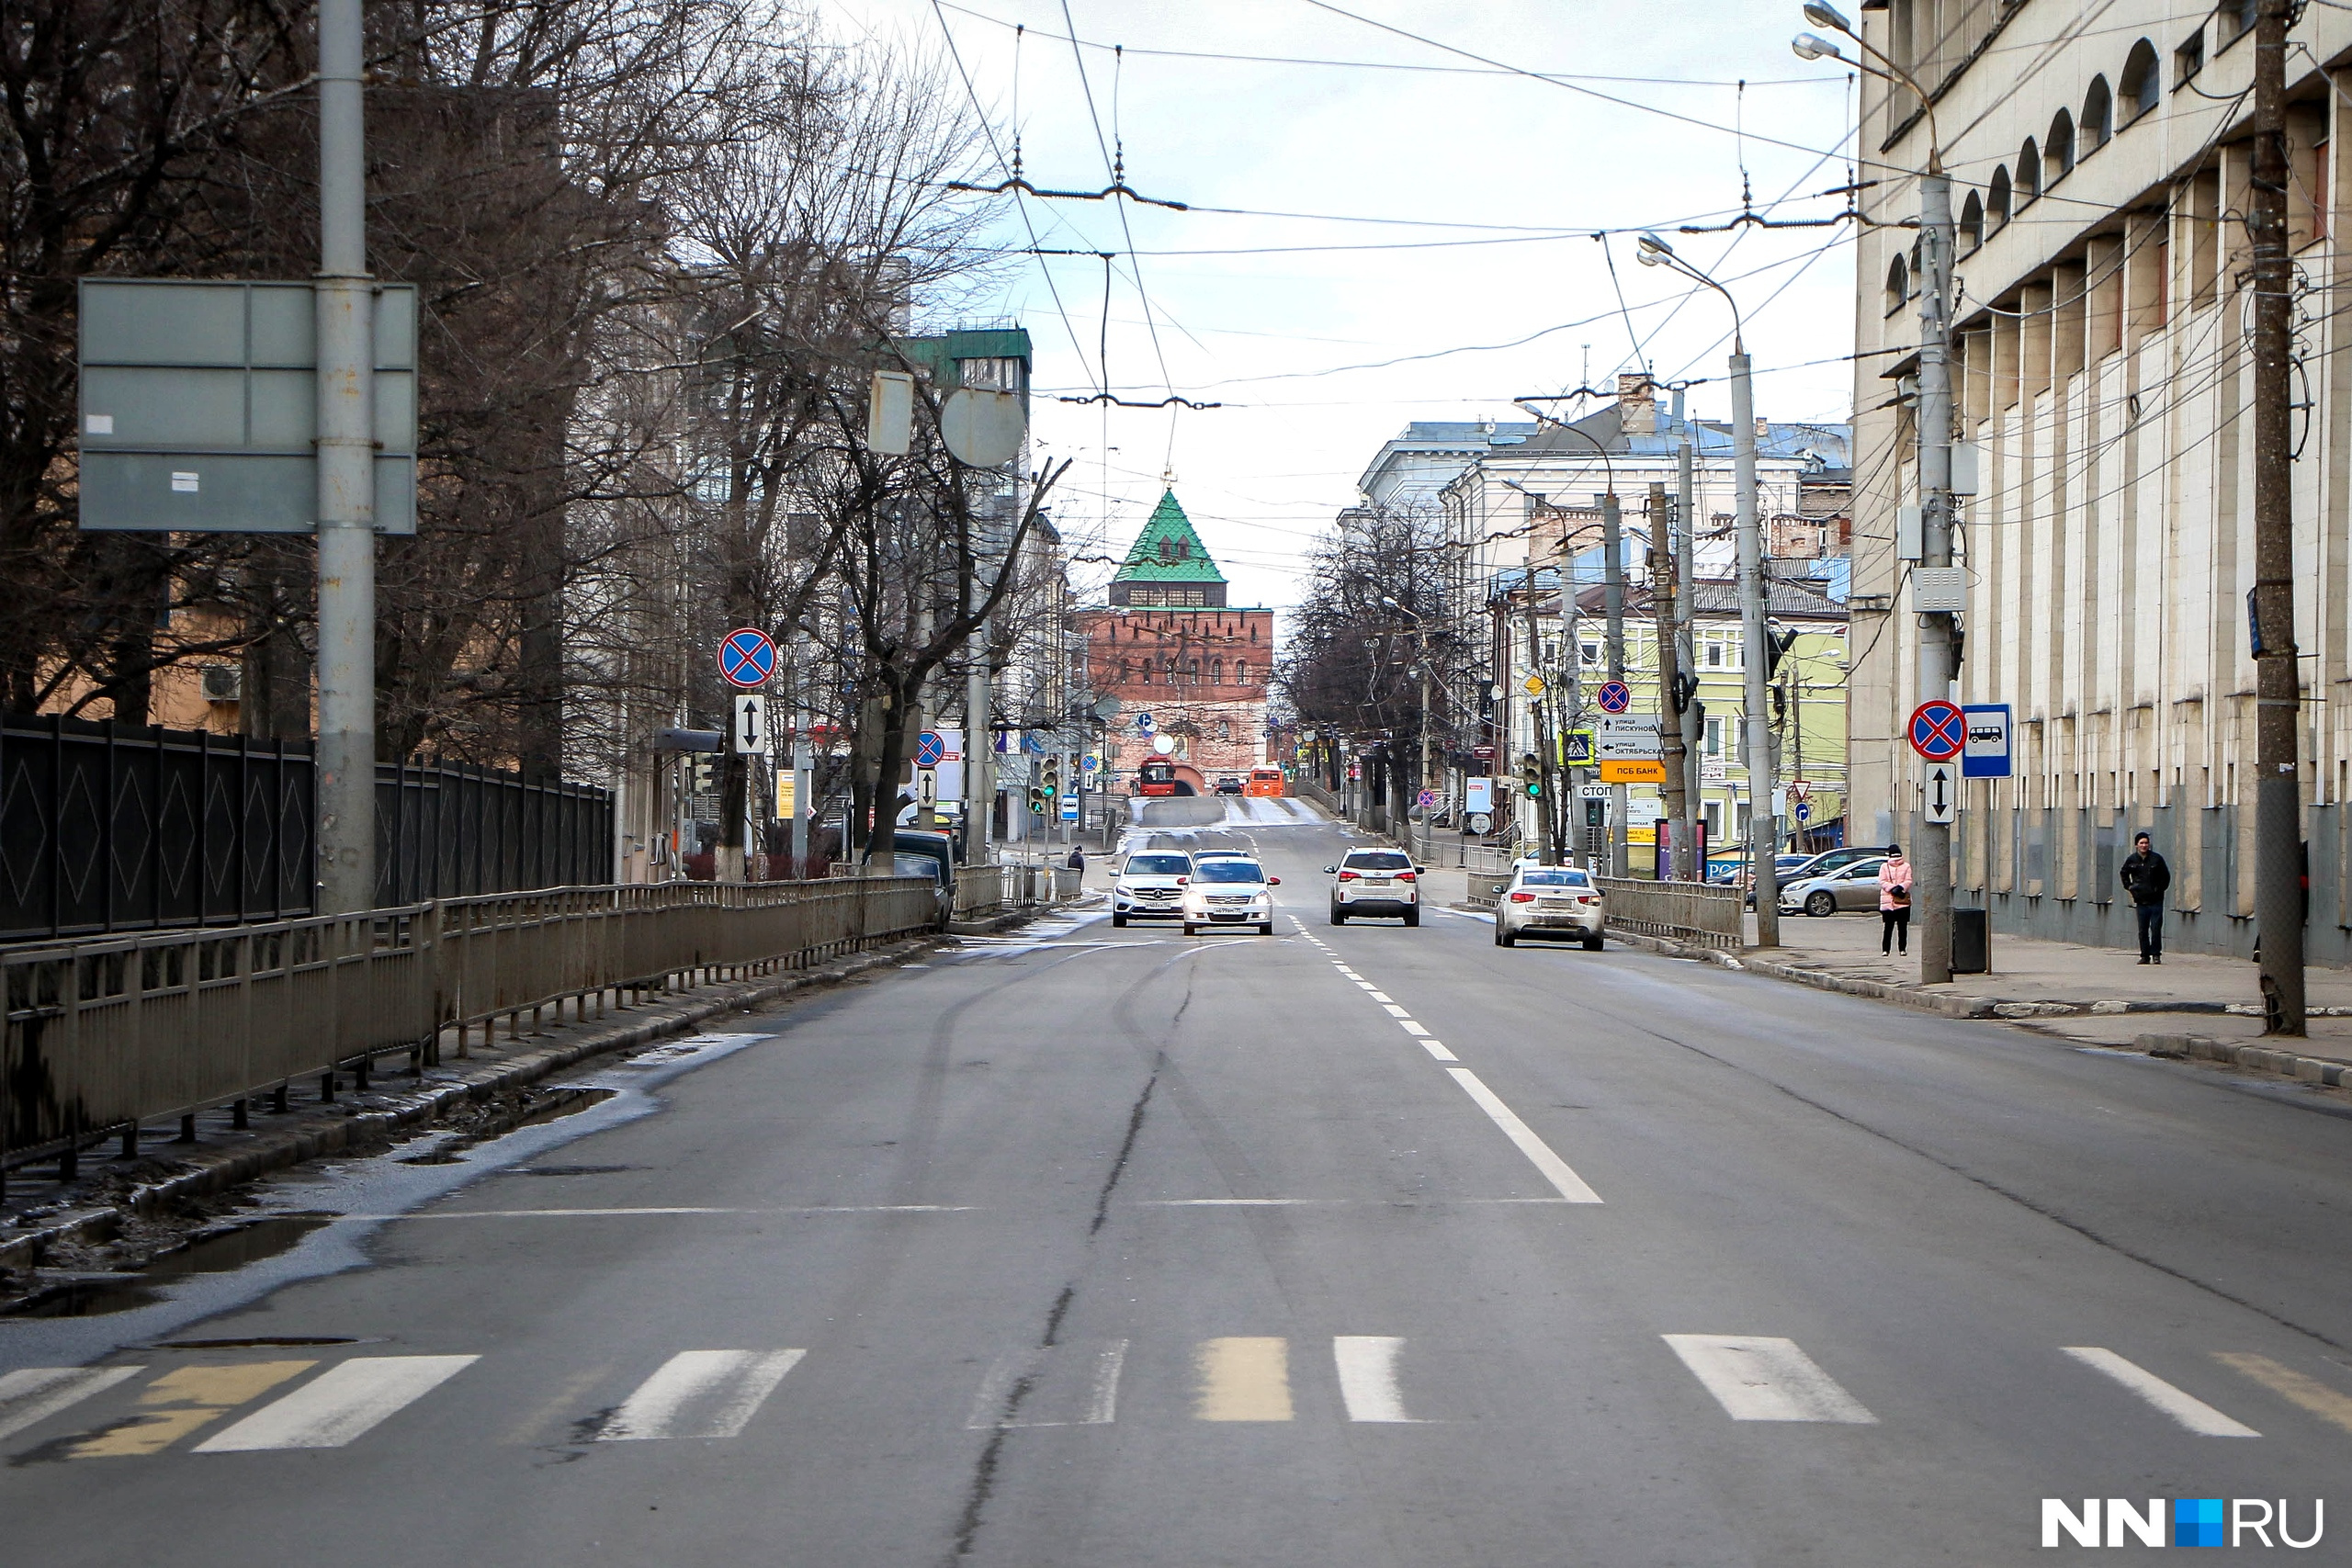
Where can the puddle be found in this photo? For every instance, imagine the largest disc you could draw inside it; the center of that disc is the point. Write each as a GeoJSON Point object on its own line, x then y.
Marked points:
{"type": "Point", "coordinates": [577, 1097]}
{"type": "Point", "coordinates": [222, 1252]}
{"type": "Point", "coordinates": [266, 1342]}
{"type": "Point", "coordinates": [568, 1099]}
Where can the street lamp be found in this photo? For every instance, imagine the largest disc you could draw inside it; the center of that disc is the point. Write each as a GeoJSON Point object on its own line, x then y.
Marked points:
{"type": "Point", "coordinates": [1938, 669]}
{"type": "Point", "coordinates": [1763, 841]}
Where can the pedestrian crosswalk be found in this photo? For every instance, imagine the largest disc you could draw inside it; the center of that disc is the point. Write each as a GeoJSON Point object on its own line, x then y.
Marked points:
{"type": "Point", "coordinates": [279, 1404]}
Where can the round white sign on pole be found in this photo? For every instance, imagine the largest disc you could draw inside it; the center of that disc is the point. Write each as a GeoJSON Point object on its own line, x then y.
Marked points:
{"type": "Point", "coordinates": [983, 430]}
{"type": "Point", "coordinates": [1163, 744]}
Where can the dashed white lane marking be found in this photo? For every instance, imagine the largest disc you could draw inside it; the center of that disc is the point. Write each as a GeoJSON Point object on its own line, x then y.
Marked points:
{"type": "Point", "coordinates": [2186, 1408]}
{"type": "Point", "coordinates": [339, 1404]}
{"type": "Point", "coordinates": [1439, 1052]}
{"type": "Point", "coordinates": [1760, 1379]}
{"type": "Point", "coordinates": [35, 1393]}
{"type": "Point", "coordinates": [1411, 1028]}
{"type": "Point", "coordinates": [1367, 1368]}
{"type": "Point", "coordinates": [1565, 1181]}
{"type": "Point", "coordinates": [701, 1393]}
{"type": "Point", "coordinates": [1393, 1010]}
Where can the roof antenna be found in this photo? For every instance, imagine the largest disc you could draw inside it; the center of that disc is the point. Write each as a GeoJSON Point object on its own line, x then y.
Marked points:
{"type": "Point", "coordinates": [1019, 29]}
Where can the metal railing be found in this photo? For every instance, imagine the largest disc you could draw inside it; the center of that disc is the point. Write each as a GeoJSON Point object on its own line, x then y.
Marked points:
{"type": "Point", "coordinates": [115, 1031]}
{"type": "Point", "coordinates": [1687, 911]}
{"type": "Point", "coordinates": [979, 889]}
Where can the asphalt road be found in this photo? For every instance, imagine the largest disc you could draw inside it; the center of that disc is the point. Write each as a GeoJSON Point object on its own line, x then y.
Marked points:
{"type": "Point", "coordinates": [1350, 1246]}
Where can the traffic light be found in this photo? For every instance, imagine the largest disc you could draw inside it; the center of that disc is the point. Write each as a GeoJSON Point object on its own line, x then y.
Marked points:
{"type": "Point", "coordinates": [1776, 643]}
{"type": "Point", "coordinates": [1531, 776]}
{"type": "Point", "coordinates": [1038, 799]}
{"type": "Point", "coordinates": [705, 769]}
{"type": "Point", "coordinates": [1052, 778]}
{"type": "Point", "coordinates": [1686, 686]}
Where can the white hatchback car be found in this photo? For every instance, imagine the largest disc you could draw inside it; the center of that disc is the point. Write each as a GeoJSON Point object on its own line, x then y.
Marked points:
{"type": "Point", "coordinates": [1375, 882]}
{"type": "Point", "coordinates": [1227, 892]}
{"type": "Point", "coordinates": [1150, 886]}
{"type": "Point", "coordinates": [1550, 900]}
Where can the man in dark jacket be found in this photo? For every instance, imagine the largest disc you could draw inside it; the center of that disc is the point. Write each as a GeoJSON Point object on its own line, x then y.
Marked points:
{"type": "Point", "coordinates": [2145, 876]}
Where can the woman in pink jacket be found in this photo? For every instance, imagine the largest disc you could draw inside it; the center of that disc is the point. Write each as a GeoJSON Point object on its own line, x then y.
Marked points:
{"type": "Point", "coordinates": [1894, 901]}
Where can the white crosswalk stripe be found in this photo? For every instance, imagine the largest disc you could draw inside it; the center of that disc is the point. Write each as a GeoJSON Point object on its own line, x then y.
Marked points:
{"type": "Point", "coordinates": [1367, 1368]}
{"type": "Point", "coordinates": [339, 1404]}
{"type": "Point", "coordinates": [701, 1393]}
{"type": "Point", "coordinates": [1762, 1379]}
{"type": "Point", "coordinates": [1090, 1397]}
{"type": "Point", "coordinates": [35, 1393]}
{"type": "Point", "coordinates": [2186, 1408]}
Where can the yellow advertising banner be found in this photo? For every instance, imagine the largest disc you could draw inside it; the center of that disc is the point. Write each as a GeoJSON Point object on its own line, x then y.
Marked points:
{"type": "Point", "coordinates": [1617, 770]}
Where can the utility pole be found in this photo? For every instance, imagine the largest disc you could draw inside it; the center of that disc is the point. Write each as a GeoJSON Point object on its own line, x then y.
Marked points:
{"type": "Point", "coordinates": [1938, 672]}
{"type": "Point", "coordinates": [1570, 703]}
{"type": "Point", "coordinates": [1612, 599]}
{"type": "Point", "coordinates": [2278, 823]}
{"type": "Point", "coordinates": [1665, 591]}
{"type": "Point", "coordinates": [1763, 841]}
{"type": "Point", "coordinates": [346, 447]}
{"type": "Point", "coordinates": [1685, 647]}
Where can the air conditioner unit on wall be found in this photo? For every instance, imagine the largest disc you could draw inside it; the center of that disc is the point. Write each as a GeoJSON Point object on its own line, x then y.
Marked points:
{"type": "Point", "coordinates": [224, 682]}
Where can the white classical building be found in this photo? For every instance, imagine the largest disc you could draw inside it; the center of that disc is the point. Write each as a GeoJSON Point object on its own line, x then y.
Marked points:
{"type": "Point", "coordinates": [2099, 158]}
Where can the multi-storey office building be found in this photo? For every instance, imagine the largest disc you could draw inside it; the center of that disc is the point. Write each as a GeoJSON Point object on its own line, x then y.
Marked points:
{"type": "Point", "coordinates": [2100, 161]}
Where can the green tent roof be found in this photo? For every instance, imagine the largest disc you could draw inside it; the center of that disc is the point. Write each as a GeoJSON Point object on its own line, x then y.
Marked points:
{"type": "Point", "coordinates": [1167, 550]}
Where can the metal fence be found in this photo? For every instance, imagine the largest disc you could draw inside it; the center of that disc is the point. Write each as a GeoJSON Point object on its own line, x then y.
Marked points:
{"type": "Point", "coordinates": [121, 828]}
{"type": "Point", "coordinates": [448, 830]}
{"type": "Point", "coordinates": [106, 828]}
{"type": "Point", "coordinates": [1687, 911]}
{"type": "Point", "coordinates": [115, 1031]}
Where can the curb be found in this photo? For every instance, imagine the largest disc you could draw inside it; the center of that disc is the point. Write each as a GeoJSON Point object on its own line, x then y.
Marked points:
{"type": "Point", "coordinates": [2254, 1058]}
{"type": "Point", "coordinates": [210, 1171]}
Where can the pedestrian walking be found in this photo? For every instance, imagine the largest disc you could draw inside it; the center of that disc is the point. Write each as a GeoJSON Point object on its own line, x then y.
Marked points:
{"type": "Point", "coordinates": [2145, 876]}
{"type": "Point", "coordinates": [1894, 902]}
{"type": "Point", "coordinates": [1078, 858]}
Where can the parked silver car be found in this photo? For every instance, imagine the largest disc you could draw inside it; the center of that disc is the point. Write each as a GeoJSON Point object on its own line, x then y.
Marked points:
{"type": "Point", "coordinates": [1551, 900]}
{"type": "Point", "coordinates": [1851, 887]}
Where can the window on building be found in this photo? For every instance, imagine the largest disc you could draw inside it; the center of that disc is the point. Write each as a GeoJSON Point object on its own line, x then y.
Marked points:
{"type": "Point", "coordinates": [1714, 743]}
{"type": "Point", "coordinates": [1217, 672]}
{"type": "Point", "coordinates": [2058, 150]}
{"type": "Point", "coordinates": [1898, 285]}
{"type": "Point", "coordinates": [2236, 19]}
{"type": "Point", "coordinates": [1588, 653]}
{"type": "Point", "coordinates": [2143, 80]}
{"type": "Point", "coordinates": [1225, 730]}
{"type": "Point", "coordinates": [2190, 58]}
{"type": "Point", "coordinates": [1972, 223]}
{"type": "Point", "coordinates": [1996, 197]}
{"type": "Point", "coordinates": [2028, 174]}
{"type": "Point", "coordinates": [992, 374]}
{"type": "Point", "coordinates": [2099, 117]}
{"type": "Point", "coordinates": [1241, 672]}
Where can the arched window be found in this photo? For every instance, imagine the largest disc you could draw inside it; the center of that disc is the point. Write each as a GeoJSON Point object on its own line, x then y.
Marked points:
{"type": "Point", "coordinates": [2028, 174]}
{"type": "Point", "coordinates": [1972, 223]}
{"type": "Point", "coordinates": [1241, 672]}
{"type": "Point", "coordinates": [2058, 152]}
{"type": "Point", "coordinates": [1225, 730]}
{"type": "Point", "coordinates": [1217, 672]}
{"type": "Point", "coordinates": [2098, 116]}
{"type": "Point", "coordinates": [1996, 197]}
{"type": "Point", "coordinates": [2143, 80]}
{"type": "Point", "coordinates": [1898, 285]}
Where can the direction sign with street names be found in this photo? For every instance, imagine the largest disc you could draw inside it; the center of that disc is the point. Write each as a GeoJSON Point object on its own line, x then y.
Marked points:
{"type": "Point", "coordinates": [1938, 730]}
{"type": "Point", "coordinates": [1943, 790]}
{"type": "Point", "coordinates": [746, 657]}
{"type": "Point", "coordinates": [1615, 696]}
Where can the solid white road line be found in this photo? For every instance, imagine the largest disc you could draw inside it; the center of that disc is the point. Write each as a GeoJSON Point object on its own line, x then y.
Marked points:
{"type": "Point", "coordinates": [2186, 1408]}
{"type": "Point", "coordinates": [1759, 1379]}
{"type": "Point", "coordinates": [338, 1404]}
{"type": "Point", "coordinates": [35, 1393]}
{"type": "Point", "coordinates": [701, 1393]}
{"type": "Point", "coordinates": [1367, 1364]}
{"type": "Point", "coordinates": [1565, 1181]}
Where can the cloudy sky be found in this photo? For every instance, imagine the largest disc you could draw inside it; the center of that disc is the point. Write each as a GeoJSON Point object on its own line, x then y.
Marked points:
{"type": "Point", "coordinates": [1394, 211]}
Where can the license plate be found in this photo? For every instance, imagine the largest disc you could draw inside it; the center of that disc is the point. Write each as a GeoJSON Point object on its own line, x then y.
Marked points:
{"type": "Point", "coordinates": [1375, 882]}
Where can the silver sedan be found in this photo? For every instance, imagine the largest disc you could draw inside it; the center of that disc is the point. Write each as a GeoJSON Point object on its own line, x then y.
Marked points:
{"type": "Point", "coordinates": [1851, 887]}
{"type": "Point", "coordinates": [1550, 900]}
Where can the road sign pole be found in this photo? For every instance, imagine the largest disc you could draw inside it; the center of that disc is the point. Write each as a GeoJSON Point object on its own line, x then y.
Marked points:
{"type": "Point", "coordinates": [1763, 839]}
{"type": "Point", "coordinates": [345, 348]}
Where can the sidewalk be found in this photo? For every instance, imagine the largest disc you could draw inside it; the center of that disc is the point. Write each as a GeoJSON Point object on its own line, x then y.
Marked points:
{"type": "Point", "coordinates": [2097, 995]}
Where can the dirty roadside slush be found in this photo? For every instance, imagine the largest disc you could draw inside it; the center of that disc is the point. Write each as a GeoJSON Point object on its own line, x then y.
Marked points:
{"type": "Point", "coordinates": [109, 1238]}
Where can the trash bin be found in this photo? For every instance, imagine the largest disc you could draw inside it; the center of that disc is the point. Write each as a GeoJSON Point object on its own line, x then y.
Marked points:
{"type": "Point", "coordinates": [1972, 942]}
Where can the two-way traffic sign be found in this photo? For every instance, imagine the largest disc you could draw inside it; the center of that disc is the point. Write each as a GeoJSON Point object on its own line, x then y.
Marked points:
{"type": "Point", "coordinates": [1942, 782]}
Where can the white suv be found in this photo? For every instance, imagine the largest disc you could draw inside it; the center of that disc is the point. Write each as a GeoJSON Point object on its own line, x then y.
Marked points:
{"type": "Point", "coordinates": [1376, 882]}
{"type": "Point", "coordinates": [1149, 886]}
